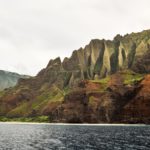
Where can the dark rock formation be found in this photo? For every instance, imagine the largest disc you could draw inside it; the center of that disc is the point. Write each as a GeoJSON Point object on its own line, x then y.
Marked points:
{"type": "Point", "coordinates": [95, 85]}
{"type": "Point", "coordinates": [89, 105]}
{"type": "Point", "coordinates": [137, 110]}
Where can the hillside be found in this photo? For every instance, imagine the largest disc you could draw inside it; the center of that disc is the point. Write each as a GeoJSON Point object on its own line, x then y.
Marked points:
{"type": "Point", "coordinates": [106, 81]}
{"type": "Point", "coordinates": [9, 79]}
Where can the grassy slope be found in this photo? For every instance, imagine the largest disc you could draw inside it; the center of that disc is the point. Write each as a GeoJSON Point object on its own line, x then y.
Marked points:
{"type": "Point", "coordinates": [35, 107]}
{"type": "Point", "coordinates": [128, 76]}
{"type": "Point", "coordinates": [26, 119]}
{"type": "Point", "coordinates": [131, 77]}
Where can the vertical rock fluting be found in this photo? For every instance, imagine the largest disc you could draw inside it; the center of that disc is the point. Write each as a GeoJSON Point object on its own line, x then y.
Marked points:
{"type": "Point", "coordinates": [100, 58]}
{"type": "Point", "coordinates": [94, 101]}
{"type": "Point", "coordinates": [104, 57]}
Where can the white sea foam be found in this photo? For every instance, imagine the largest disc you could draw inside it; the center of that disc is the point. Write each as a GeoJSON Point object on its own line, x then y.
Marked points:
{"type": "Point", "coordinates": [84, 124]}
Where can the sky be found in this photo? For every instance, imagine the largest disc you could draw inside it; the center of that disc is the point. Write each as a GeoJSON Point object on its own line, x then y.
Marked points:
{"type": "Point", "coordinates": [34, 31]}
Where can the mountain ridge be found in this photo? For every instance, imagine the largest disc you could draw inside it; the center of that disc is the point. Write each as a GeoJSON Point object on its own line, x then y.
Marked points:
{"type": "Point", "coordinates": [94, 61]}
{"type": "Point", "coordinates": [9, 79]}
{"type": "Point", "coordinates": [96, 84]}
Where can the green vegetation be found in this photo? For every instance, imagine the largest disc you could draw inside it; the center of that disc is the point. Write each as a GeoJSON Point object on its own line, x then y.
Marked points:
{"type": "Point", "coordinates": [2, 93]}
{"type": "Point", "coordinates": [21, 110]}
{"type": "Point", "coordinates": [36, 106]}
{"type": "Point", "coordinates": [49, 96]}
{"type": "Point", "coordinates": [66, 90]}
{"type": "Point", "coordinates": [114, 57]}
{"type": "Point", "coordinates": [105, 80]}
{"type": "Point", "coordinates": [41, 100]}
{"type": "Point", "coordinates": [92, 101]}
{"type": "Point", "coordinates": [131, 77]}
{"type": "Point", "coordinates": [23, 119]}
{"type": "Point", "coordinates": [131, 55]}
{"type": "Point", "coordinates": [103, 83]}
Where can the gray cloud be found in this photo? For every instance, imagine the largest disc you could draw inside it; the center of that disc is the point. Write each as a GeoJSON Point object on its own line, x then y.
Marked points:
{"type": "Point", "coordinates": [34, 31]}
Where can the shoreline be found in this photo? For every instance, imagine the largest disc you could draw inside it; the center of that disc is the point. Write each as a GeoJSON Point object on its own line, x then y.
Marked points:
{"type": "Point", "coordinates": [72, 124]}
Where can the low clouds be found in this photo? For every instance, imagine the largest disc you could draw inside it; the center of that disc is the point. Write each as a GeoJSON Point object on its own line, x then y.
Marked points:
{"type": "Point", "coordinates": [34, 31]}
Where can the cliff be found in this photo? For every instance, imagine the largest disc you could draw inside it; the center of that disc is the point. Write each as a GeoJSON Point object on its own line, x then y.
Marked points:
{"type": "Point", "coordinates": [99, 83]}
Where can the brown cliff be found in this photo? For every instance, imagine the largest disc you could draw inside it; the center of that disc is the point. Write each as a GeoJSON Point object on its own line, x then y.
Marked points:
{"type": "Point", "coordinates": [105, 82]}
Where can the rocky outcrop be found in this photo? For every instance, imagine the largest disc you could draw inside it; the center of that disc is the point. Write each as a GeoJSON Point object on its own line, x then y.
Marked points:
{"type": "Point", "coordinates": [100, 83]}
{"type": "Point", "coordinates": [142, 62]}
{"type": "Point", "coordinates": [101, 58]}
{"type": "Point", "coordinates": [90, 105]}
{"type": "Point", "coordinates": [137, 110]}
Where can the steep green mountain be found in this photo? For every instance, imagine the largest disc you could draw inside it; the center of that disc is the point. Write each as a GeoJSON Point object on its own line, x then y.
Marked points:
{"type": "Point", "coordinates": [96, 84]}
{"type": "Point", "coordinates": [9, 79]}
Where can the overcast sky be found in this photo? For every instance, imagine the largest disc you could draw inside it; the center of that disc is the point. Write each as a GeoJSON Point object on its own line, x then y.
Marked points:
{"type": "Point", "coordinates": [34, 31]}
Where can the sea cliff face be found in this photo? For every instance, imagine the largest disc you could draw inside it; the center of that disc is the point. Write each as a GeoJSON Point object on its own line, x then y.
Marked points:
{"type": "Point", "coordinates": [101, 58]}
{"type": "Point", "coordinates": [99, 83]}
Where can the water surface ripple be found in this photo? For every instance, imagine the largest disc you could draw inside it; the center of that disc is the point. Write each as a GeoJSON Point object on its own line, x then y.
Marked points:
{"type": "Point", "coordinates": [73, 137]}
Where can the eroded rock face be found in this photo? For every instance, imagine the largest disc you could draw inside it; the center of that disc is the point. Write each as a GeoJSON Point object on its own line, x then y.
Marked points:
{"type": "Point", "coordinates": [118, 104]}
{"type": "Point", "coordinates": [99, 59]}
{"type": "Point", "coordinates": [137, 110]}
{"type": "Point", "coordinates": [142, 63]}
{"type": "Point", "coordinates": [103, 57]}
{"type": "Point", "coordinates": [71, 90]}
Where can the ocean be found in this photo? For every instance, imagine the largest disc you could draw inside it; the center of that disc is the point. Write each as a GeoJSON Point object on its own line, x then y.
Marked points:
{"type": "Point", "coordinates": [30, 136]}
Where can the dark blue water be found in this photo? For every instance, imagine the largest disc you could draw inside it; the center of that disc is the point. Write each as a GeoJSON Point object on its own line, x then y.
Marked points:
{"type": "Point", "coordinates": [65, 137]}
